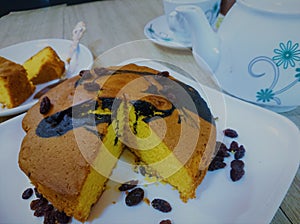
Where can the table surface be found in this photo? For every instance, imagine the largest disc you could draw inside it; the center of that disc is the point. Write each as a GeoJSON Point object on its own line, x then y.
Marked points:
{"type": "Point", "coordinates": [113, 23]}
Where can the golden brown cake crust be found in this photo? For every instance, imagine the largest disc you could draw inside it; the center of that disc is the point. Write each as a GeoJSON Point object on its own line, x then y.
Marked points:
{"type": "Point", "coordinates": [13, 80]}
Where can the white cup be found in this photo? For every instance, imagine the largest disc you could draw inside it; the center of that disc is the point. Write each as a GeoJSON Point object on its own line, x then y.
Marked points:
{"type": "Point", "coordinates": [177, 23]}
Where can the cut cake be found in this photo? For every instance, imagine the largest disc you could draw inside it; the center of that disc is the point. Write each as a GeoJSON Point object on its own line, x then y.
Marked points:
{"type": "Point", "coordinates": [44, 66]}
{"type": "Point", "coordinates": [14, 85]}
{"type": "Point", "coordinates": [70, 152]}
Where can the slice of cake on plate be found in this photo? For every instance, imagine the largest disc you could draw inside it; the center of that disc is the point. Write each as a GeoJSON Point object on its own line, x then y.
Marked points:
{"type": "Point", "coordinates": [70, 152]}
{"type": "Point", "coordinates": [44, 66]}
{"type": "Point", "coordinates": [15, 87]}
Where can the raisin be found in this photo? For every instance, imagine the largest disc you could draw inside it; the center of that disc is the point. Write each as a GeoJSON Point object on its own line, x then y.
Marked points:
{"type": "Point", "coordinates": [45, 105]}
{"type": "Point", "coordinates": [230, 133]}
{"type": "Point", "coordinates": [128, 185]}
{"type": "Point", "coordinates": [35, 204]}
{"type": "Point", "coordinates": [49, 217]}
{"type": "Point", "coordinates": [237, 170]}
{"type": "Point", "coordinates": [234, 146]}
{"type": "Point", "coordinates": [240, 152]}
{"type": "Point", "coordinates": [61, 217]}
{"type": "Point", "coordinates": [237, 164]}
{"type": "Point", "coordinates": [215, 165]}
{"type": "Point", "coordinates": [48, 207]}
{"type": "Point", "coordinates": [164, 74]}
{"type": "Point", "coordinates": [222, 150]}
{"type": "Point", "coordinates": [85, 74]}
{"type": "Point", "coordinates": [91, 86]}
{"type": "Point", "coordinates": [161, 205]}
{"type": "Point", "coordinates": [167, 221]}
{"type": "Point", "coordinates": [221, 146]}
{"type": "Point", "coordinates": [37, 194]}
{"type": "Point", "coordinates": [27, 193]}
{"type": "Point", "coordinates": [39, 212]}
{"type": "Point", "coordinates": [134, 197]}
{"type": "Point", "coordinates": [236, 175]}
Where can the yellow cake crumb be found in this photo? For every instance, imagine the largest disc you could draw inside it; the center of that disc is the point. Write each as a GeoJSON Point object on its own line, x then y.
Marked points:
{"type": "Point", "coordinates": [44, 66]}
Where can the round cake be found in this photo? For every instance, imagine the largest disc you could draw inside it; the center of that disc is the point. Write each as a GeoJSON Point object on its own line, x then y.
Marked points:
{"type": "Point", "coordinates": [70, 149]}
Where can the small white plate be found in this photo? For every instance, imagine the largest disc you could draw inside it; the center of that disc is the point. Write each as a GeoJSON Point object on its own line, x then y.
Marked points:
{"type": "Point", "coordinates": [20, 52]}
{"type": "Point", "coordinates": [272, 145]}
{"type": "Point", "coordinates": [158, 31]}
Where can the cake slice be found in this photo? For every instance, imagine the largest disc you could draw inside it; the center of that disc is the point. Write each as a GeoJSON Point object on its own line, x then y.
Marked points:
{"type": "Point", "coordinates": [70, 152]}
{"type": "Point", "coordinates": [170, 127]}
{"type": "Point", "coordinates": [175, 148]}
{"type": "Point", "coordinates": [15, 88]}
{"type": "Point", "coordinates": [44, 66]}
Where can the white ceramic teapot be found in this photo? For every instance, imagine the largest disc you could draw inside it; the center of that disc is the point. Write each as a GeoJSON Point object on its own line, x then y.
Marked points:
{"type": "Point", "coordinates": [255, 54]}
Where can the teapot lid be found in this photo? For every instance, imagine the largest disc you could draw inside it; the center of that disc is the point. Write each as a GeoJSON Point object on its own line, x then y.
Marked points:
{"type": "Point", "coordinates": [274, 6]}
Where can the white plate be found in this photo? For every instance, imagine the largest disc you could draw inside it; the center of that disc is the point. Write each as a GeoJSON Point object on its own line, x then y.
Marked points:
{"type": "Point", "coordinates": [20, 52]}
{"type": "Point", "coordinates": [158, 31]}
{"type": "Point", "coordinates": [271, 161]}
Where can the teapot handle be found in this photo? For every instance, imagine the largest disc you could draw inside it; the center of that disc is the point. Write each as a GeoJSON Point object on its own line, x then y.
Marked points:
{"type": "Point", "coordinates": [205, 41]}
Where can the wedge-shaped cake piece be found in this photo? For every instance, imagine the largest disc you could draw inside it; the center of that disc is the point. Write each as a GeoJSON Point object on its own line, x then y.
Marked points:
{"type": "Point", "coordinates": [15, 88]}
{"type": "Point", "coordinates": [61, 149]}
{"type": "Point", "coordinates": [44, 66]}
{"type": "Point", "coordinates": [70, 152]}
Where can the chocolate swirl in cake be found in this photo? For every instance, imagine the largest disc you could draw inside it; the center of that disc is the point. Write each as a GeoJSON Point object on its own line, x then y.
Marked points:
{"type": "Point", "coordinates": [80, 115]}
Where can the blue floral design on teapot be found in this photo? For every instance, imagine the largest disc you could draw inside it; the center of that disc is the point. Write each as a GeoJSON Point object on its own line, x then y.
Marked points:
{"type": "Point", "coordinates": [285, 57]}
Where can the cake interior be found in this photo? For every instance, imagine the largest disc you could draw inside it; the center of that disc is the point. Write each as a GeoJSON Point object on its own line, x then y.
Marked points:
{"type": "Point", "coordinates": [44, 66]}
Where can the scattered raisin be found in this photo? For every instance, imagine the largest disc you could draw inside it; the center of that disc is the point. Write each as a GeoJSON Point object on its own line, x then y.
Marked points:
{"type": "Point", "coordinates": [237, 170]}
{"type": "Point", "coordinates": [61, 217]}
{"type": "Point", "coordinates": [167, 221]}
{"type": "Point", "coordinates": [222, 150]}
{"type": "Point", "coordinates": [216, 163]}
{"type": "Point", "coordinates": [240, 152]}
{"type": "Point", "coordinates": [234, 146]}
{"type": "Point", "coordinates": [161, 205]}
{"type": "Point", "coordinates": [39, 212]}
{"type": "Point", "coordinates": [49, 217]}
{"type": "Point", "coordinates": [237, 164]}
{"type": "Point", "coordinates": [134, 197]}
{"type": "Point", "coordinates": [230, 133]}
{"type": "Point", "coordinates": [43, 208]}
{"type": "Point", "coordinates": [236, 175]}
{"type": "Point", "coordinates": [38, 203]}
{"type": "Point", "coordinates": [48, 207]}
{"type": "Point", "coordinates": [45, 105]}
{"type": "Point", "coordinates": [128, 185]}
{"type": "Point", "coordinates": [221, 146]}
{"type": "Point", "coordinates": [85, 74]}
{"type": "Point", "coordinates": [91, 86]}
{"type": "Point", "coordinates": [164, 74]}
{"type": "Point", "coordinates": [37, 194]}
{"type": "Point", "coordinates": [27, 193]}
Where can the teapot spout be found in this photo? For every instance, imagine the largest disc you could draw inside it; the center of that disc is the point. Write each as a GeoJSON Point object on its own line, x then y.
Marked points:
{"type": "Point", "coordinates": [205, 41]}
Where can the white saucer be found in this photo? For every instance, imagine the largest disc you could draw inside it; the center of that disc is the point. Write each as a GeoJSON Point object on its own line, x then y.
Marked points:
{"type": "Point", "coordinates": [158, 31]}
